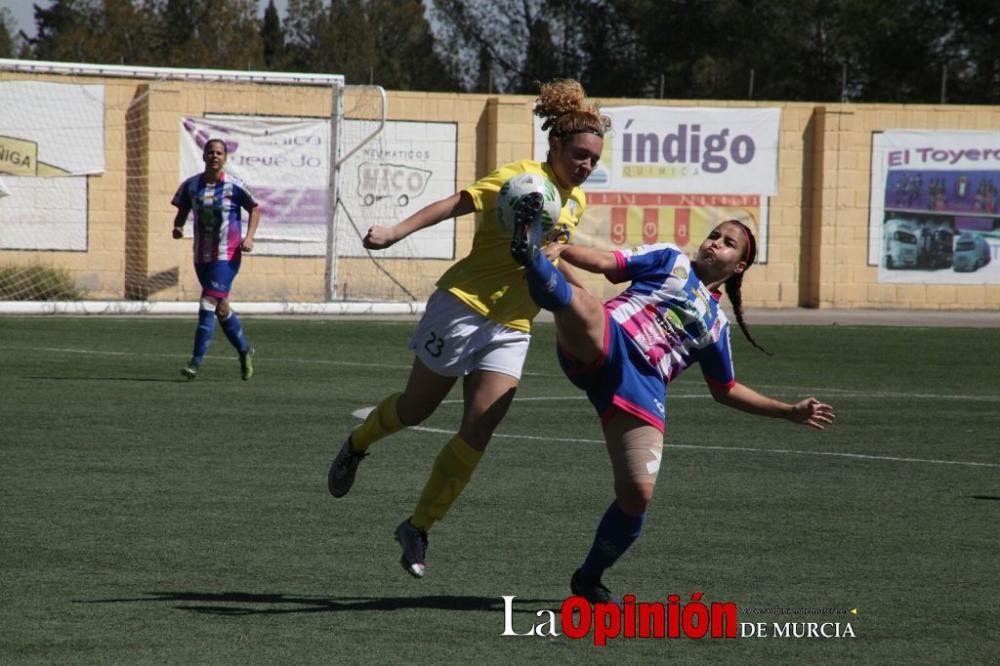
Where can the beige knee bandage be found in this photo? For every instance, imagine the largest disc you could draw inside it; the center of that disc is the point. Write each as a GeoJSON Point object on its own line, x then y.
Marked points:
{"type": "Point", "coordinates": [635, 450]}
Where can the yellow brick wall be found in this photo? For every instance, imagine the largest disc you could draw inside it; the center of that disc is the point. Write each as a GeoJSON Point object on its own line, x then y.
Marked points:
{"type": "Point", "coordinates": [817, 226]}
{"type": "Point", "coordinates": [846, 280]}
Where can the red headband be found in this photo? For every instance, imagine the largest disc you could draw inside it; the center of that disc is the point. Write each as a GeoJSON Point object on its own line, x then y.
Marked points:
{"type": "Point", "coordinates": [746, 233]}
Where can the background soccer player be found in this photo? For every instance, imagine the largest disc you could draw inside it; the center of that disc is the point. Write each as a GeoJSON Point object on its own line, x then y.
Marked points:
{"type": "Point", "coordinates": [217, 200]}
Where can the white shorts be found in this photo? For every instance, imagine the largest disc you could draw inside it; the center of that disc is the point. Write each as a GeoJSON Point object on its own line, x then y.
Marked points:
{"type": "Point", "coordinates": [453, 340]}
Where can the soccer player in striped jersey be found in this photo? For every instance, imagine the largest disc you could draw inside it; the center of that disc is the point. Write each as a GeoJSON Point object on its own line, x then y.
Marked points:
{"type": "Point", "coordinates": [625, 352]}
{"type": "Point", "coordinates": [217, 200]}
{"type": "Point", "coordinates": [477, 324]}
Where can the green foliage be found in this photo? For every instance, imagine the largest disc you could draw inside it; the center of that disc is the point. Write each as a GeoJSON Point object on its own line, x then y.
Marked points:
{"type": "Point", "coordinates": [152, 520]}
{"type": "Point", "coordinates": [386, 42]}
{"type": "Point", "coordinates": [36, 282]}
{"type": "Point", "coordinates": [6, 35]}
{"type": "Point", "coordinates": [906, 51]}
{"type": "Point", "coordinates": [273, 37]}
{"type": "Point", "coordinates": [223, 34]}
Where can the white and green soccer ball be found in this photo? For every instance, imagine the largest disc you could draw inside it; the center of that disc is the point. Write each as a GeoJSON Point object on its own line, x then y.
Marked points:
{"type": "Point", "coordinates": [521, 185]}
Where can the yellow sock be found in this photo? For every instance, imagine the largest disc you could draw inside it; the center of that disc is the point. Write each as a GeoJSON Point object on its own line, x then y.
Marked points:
{"type": "Point", "coordinates": [452, 470]}
{"type": "Point", "coordinates": [382, 422]}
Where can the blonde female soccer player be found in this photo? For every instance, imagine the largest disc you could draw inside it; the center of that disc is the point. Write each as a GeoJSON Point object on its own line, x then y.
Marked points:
{"type": "Point", "coordinates": [477, 324]}
{"type": "Point", "coordinates": [626, 351]}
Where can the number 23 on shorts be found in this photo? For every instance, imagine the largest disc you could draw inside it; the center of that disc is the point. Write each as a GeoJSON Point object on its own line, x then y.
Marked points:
{"type": "Point", "coordinates": [434, 344]}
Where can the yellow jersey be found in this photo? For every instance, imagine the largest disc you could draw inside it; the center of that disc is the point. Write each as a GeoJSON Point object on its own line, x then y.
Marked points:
{"type": "Point", "coordinates": [488, 280]}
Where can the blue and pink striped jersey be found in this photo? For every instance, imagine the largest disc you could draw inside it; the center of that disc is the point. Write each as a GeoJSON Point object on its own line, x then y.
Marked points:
{"type": "Point", "coordinates": [670, 316]}
{"type": "Point", "coordinates": [218, 226]}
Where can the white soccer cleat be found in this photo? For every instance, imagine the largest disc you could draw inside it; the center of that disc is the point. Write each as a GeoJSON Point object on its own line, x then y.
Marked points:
{"type": "Point", "coordinates": [190, 370]}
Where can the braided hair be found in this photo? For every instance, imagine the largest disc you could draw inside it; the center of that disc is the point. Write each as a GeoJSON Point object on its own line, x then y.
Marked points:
{"type": "Point", "coordinates": [735, 283]}
{"type": "Point", "coordinates": [564, 109]}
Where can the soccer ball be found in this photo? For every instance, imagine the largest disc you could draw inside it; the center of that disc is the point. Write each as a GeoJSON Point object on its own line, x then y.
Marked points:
{"type": "Point", "coordinates": [521, 185]}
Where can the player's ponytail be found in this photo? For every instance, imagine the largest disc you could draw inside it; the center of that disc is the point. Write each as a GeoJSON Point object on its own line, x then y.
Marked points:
{"type": "Point", "coordinates": [735, 283]}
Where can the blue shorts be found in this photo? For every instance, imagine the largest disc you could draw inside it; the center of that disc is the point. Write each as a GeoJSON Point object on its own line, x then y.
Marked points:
{"type": "Point", "coordinates": [216, 277]}
{"type": "Point", "coordinates": [621, 379]}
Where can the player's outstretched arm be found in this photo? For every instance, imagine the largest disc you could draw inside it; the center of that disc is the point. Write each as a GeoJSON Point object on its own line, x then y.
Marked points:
{"type": "Point", "coordinates": [585, 258]}
{"type": "Point", "coordinates": [380, 237]}
{"type": "Point", "coordinates": [808, 411]}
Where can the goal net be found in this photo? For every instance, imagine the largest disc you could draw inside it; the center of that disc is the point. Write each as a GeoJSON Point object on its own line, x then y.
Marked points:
{"type": "Point", "coordinates": [311, 149]}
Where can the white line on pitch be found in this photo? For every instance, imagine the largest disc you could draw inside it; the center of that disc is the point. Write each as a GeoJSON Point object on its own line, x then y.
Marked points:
{"type": "Point", "coordinates": [362, 413]}
{"type": "Point", "coordinates": [848, 393]}
{"type": "Point", "coordinates": [840, 392]}
{"type": "Point", "coordinates": [743, 449]}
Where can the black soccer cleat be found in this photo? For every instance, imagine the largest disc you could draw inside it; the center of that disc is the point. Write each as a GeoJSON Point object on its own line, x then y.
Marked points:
{"type": "Point", "coordinates": [246, 364]}
{"type": "Point", "coordinates": [591, 589]}
{"type": "Point", "coordinates": [414, 544]}
{"type": "Point", "coordinates": [527, 236]}
{"type": "Point", "coordinates": [344, 467]}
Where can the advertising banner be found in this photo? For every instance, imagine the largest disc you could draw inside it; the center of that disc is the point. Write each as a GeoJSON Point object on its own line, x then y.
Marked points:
{"type": "Point", "coordinates": [935, 207]}
{"type": "Point", "coordinates": [670, 174]}
{"type": "Point", "coordinates": [285, 163]}
{"type": "Point", "coordinates": [51, 138]}
{"type": "Point", "coordinates": [51, 129]}
{"type": "Point", "coordinates": [411, 165]}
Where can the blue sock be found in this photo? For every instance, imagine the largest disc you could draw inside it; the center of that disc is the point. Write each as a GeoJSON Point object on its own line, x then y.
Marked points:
{"type": "Point", "coordinates": [615, 533]}
{"type": "Point", "coordinates": [233, 329]}
{"type": "Point", "coordinates": [203, 335]}
{"type": "Point", "coordinates": [547, 285]}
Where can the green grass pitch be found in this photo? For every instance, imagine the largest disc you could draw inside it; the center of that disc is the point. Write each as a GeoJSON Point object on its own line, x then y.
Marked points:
{"type": "Point", "coordinates": [146, 519]}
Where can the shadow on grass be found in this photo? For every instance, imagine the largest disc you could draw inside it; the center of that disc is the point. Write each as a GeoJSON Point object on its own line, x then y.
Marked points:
{"type": "Point", "coordinates": [169, 380]}
{"type": "Point", "coordinates": [984, 497]}
{"type": "Point", "coordinates": [245, 603]}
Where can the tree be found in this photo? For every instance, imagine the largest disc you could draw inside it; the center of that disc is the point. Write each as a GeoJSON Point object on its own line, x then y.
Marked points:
{"type": "Point", "coordinates": [539, 57]}
{"type": "Point", "coordinates": [182, 33]}
{"type": "Point", "coordinates": [387, 42]}
{"type": "Point", "coordinates": [6, 37]}
{"type": "Point", "coordinates": [503, 31]}
{"type": "Point", "coordinates": [810, 50]}
{"type": "Point", "coordinates": [598, 45]}
{"type": "Point", "coordinates": [132, 28]}
{"type": "Point", "coordinates": [305, 21]}
{"type": "Point", "coordinates": [536, 40]}
{"type": "Point", "coordinates": [222, 34]}
{"type": "Point", "coordinates": [61, 31]}
{"type": "Point", "coordinates": [348, 45]}
{"type": "Point", "coordinates": [484, 78]}
{"type": "Point", "coordinates": [272, 38]}
{"type": "Point", "coordinates": [969, 48]}
{"type": "Point", "coordinates": [404, 56]}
